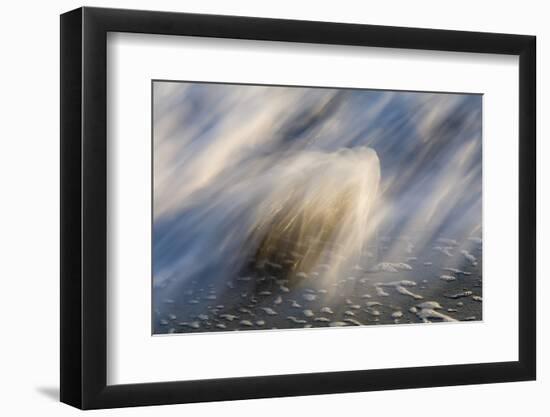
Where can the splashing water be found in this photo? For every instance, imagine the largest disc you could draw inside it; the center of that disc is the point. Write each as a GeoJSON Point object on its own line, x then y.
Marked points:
{"type": "Point", "coordinates": [261, 193]}
{"type": "Point", "coordinates": [300, 212]}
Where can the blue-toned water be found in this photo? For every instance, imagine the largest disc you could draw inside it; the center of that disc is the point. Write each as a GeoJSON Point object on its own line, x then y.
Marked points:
{"type": "Point", "coordinates": [297, 200]}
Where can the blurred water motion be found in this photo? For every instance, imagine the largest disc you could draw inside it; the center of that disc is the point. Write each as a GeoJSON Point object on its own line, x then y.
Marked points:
{"type": "Point", "coordinates": [261, 192]}
{"type": "Point", "coordinates": [316, 213]}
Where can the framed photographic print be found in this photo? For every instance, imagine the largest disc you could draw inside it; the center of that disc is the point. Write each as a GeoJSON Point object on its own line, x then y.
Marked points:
{"type": "Point", "coordinates": [258, 207]}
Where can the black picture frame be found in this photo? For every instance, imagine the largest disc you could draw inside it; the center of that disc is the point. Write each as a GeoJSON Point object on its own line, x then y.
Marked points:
{"type": "Point", "coordinates": [84, 207]}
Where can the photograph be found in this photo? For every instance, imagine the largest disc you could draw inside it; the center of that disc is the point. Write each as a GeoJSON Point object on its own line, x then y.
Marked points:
{"type": "Point", "coordinates": [296, 207]}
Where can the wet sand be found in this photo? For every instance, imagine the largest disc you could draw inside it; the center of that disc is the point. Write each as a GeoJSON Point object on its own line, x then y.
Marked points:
{"type": "Point", "coordinates": [442, 282]}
